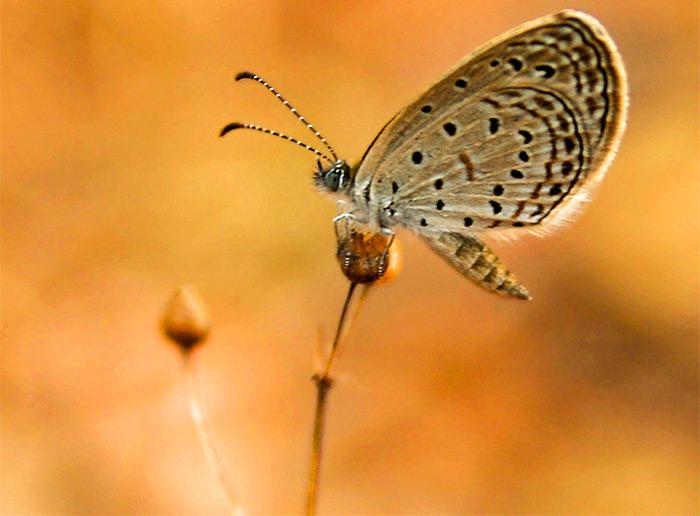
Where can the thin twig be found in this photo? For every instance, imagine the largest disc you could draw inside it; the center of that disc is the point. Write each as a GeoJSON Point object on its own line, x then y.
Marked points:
{"type": "Point", "coordinates": [215, 459]}
{"type": "Point", "coordinates": [323, 385]}
{"type": "Point", "coordinates": [339, 330]}
{"type": "Point", "coordinates": [323, 382]}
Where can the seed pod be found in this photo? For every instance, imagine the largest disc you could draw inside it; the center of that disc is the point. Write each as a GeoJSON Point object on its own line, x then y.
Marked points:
{"type": "Point", "coordinates": [185, 319]}
{"type": "Point", "coordinates": [365, 256]}
{"type": "Point", "coordinates": [393, 266]}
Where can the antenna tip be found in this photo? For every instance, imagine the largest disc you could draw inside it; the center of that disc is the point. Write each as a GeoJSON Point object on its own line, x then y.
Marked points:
{"type": "Point", "coordinates": [245, 75]}
{"type": "Point", "coordinates": [230, 127]}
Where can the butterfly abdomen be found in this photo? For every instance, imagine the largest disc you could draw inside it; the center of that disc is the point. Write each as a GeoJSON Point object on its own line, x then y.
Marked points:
{"type": "Point", "coordinates": [473, 259]}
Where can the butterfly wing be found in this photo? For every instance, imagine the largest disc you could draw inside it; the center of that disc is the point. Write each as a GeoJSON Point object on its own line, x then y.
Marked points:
{"type": "Point", "coordinates": [511, 138]}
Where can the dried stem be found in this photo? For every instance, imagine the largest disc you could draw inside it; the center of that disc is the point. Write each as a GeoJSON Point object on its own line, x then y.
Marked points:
{"type": "Point", "coordinates": [322, 387]}
{"type": "Point", "coordinates": [323, 382]}
{"type": "Point", "coordinates": [215, 459]}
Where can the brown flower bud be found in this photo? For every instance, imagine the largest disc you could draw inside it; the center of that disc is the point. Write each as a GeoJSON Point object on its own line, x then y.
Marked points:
{"type": "Point", "coordinates": [365, 256]}
{"type": "Point", "coordinates": [185, 318]}
{"type": "Point", "coordinates": [393, 266]}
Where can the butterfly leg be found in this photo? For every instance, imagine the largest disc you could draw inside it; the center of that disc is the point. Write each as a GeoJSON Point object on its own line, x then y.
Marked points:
{"type": "Point", "coordinates": [388, 246]}
{"type": "Point", "coordinates": [342, 216]}
{"type": "Point", "coordinates": [346, 217]}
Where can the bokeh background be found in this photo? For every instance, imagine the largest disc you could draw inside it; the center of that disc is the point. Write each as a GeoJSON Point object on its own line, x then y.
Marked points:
{"type": "Point", "coordinates": [116, 189]}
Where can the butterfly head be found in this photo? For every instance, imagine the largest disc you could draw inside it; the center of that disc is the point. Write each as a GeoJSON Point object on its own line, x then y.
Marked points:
{"type": "Point", "coordinates": [337, 178]}
{"type": "Point", "coordinates": [334, 179]}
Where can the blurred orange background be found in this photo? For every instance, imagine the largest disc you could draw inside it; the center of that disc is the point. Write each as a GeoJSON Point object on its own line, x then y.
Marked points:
{"type": "Point", "coordinates": [449, 400]}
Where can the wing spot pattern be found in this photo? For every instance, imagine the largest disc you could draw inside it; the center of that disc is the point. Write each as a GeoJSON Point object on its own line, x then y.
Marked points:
{"type": "Point", "coordinates": [565, 38]}
{"type": "Point", "coordinates": [546, 71]}
{"type": "Point", "coordinates": [544, 103]}
{"type": "Point", "coordinates": [527, 136]}
{"type": "Point", "coordinates": [566, 169]}
{"type": "Point", "coordinates": [521, 207]}
{"type": "Point", "coordinates": [517, 64]}
{"type": "Point", "coordinates": [592, 105]}
{"type": "Point", "coordinates": [450, 128]}
{"type": "Point", "coordinates": [585, 59]}
{"type": "Point", "coordinates": [569, 145]}
{"type": "Point", "coordinates": [468, 165]}
{"type": "Point", "coordinates": [566, 140]}
{"type": "Point", "coordinates": [536, 192]}
{"type": "Point", "coordinates": [563, 123]}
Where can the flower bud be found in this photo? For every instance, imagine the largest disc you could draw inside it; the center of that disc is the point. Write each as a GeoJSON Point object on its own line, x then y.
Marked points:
{"type": "Point", "coordinates": [393, 265]}
{"type": "Point", "coordinates": [365, 256]}
{"type": "Point", "coordinates": [185, 319]}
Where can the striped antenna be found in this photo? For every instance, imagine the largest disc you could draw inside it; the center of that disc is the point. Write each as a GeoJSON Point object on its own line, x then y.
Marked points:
{"type": "Point", "coordinates": [254, 77]}
{"type": "Point", "coordinates": [235, 125]}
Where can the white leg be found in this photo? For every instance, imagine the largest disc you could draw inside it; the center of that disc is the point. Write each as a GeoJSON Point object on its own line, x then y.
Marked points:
{"type": "Point", "coordinates": [346, 215]}
{"type": "Point", "coordinates": [336, 220]}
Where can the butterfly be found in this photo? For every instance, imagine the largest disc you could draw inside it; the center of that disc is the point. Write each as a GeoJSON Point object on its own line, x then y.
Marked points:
{"type": "Point", "coordinates": [512, 140]}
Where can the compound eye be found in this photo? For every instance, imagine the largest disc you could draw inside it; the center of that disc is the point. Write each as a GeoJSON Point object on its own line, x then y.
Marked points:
{"type": "Point", "coordinates": [333, 180]}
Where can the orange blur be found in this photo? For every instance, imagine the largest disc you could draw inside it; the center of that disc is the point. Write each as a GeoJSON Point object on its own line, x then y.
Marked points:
{"type": "Point", "coordinates": [448, 400]}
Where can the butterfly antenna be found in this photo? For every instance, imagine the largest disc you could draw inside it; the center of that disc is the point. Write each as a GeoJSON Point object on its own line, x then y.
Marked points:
{"type": "Point", "coordinates": [254, 77]}
{"type": "Point", "coordinates": [235, 125]}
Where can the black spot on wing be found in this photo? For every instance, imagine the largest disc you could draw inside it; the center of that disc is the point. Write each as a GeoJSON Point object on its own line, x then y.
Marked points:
{"type": "Point", "coordinates": [517, 64]}
{"type": "Point", "coordinates": [546, 71]}
{"type": "Point", "coordinates": [527, 136]}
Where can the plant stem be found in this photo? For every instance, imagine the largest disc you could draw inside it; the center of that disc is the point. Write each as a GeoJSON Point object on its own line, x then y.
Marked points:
{"type": "Point", "coordinates": [323, 382]}
{"type": "Point", "coordinates": [339, 331]}
{"type": "Point", "coordinates": [212, 452]}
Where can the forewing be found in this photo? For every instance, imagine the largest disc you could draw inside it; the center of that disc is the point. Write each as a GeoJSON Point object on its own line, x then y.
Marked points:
{"type": "Point", "coordinates": [510, 138]}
